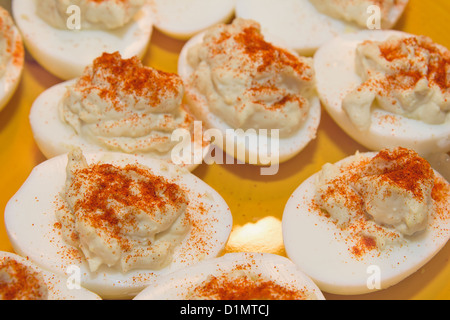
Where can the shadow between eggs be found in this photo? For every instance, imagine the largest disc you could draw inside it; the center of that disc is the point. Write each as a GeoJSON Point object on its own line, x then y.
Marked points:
{"type": "Point", "coordinates": [165, 42]}
{"type": "Point", "coordinates": [40, 75]}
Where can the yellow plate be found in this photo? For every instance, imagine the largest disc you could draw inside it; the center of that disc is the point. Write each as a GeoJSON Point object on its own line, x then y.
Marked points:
{"type": "Point", "coordinates": [256, 201]}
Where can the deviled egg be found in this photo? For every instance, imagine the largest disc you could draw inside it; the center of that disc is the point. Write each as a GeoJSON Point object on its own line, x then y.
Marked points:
{"type": "Point", "coordinates": [368, 221]}
{"type": "Point", "coordinates": [11, 57]}
{"type": "Point", "coordinates": [259, 98]}
{"type": "Point", "coordinates": [308, 24]}
{"type": "Point", "coordinates": [387, 89]}
{"type": "Point", "coordinates": [236, 276]}
{"type": "Point", "coordinates": [183, 19]}
{"type": "Point", "coordinates": [118, 220]}
{"type": "Point", "coordinates": [21, 279]}
{"type": "Point", "coordinates": [65, 36]}
{"type": "Point", "coordinates": [116, 105]}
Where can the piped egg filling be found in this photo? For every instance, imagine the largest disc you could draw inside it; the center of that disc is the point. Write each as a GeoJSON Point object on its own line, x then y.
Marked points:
{"type": "Point", "coordinates": [124, 106]}
{"type": "Point", "coordinates": [96, 14]}
{"type": "Point", "coordinates": [357, 11]}
{"type": "Point", "coordinates": [384, 200]}
{"type": "Point", "coordinates": [250, 83]}
{"type": "Point", "coordinates": [244, 284]}
{"type": "Point", "coordinates": [408, 76]}
{"type": "Point", "coordinates": [123, 217]}
{"type": "Point", "coordinates": [20, 282]}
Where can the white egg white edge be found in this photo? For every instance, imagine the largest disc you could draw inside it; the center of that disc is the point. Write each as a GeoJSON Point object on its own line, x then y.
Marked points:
{"type": "Point", "coordinates": [302, 26]}
{"type": "Point", "coordinates": [30, 224]}
{"type": "Point", "coordinates": [177, 286]}
{"type": "Point", "coordinates": [236, 142]}
{"type": "Point", "coordinates": [13, 72]}
{"type": "Point", "coordinates": [58, 286]}
{"type": "Point", "coordinates": [336, 77]}
{"type": "Point", "coordinates": [316, 245]}
{"type": "Point", "coordinates": [70, 51]}
{"type": "Point", "coordinates": [55, 137]}
{"type": "Point", "coordinates": [190, 26]}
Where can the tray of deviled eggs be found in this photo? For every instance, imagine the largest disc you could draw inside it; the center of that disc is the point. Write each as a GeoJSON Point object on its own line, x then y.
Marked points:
{"type": "Point", "coordinates": [238, 149]}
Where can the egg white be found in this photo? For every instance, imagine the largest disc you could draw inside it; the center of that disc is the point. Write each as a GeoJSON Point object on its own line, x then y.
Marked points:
{"type": "Point", "coordinates": [321, 250]}
{"type": "Point", "coordinates": [55, 137]}
{"type": "Point", "coordinates": [65, 53]}
{"type": "Point", "coordinates": [13, 72]}
{"type": "Point", "coordinates": [336, 76]}
{"type": "Point", "coordinates": [178, 285]}
{"type": "Point", "coordinates": [57, 285]}
{"type": "Point", "coordinates": [301, 25]}
{"type": "Point", "coordinates": [182, 19]}
{"type": "Point", "coordinates": [235, 142]}
{"type": "Point", "coordinates": [30, 223]}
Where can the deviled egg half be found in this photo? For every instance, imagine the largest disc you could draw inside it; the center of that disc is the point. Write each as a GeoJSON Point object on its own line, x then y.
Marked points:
{"type": "Point", "coordinates": [236, 276]}
{"type": "Point", "coordinates": [21, 279]}
{"type": "Point", "coordinates": [118, 105]}
{"type": "Point", "coordinates": [117, 221]}
{"type": "Point", "coordinates": [182, 19]}
{"type": "Point", "coordinates": [258, 100]}
{"type": "Point", "coordinates": [387, 89]}
{"type": "Point", "coordinates": [308, 24]}
{"type": "Point", "coordinates": [11, 57]}
{"type": "Point", "coordinates": [367, 222]}
{"type": "Point", "coordinates": [65, 36]}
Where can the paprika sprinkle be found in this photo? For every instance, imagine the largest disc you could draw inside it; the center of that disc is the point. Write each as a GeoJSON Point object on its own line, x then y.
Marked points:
{"type": "Point", "coordinates": [245, 287]}
{"type": "Point", "coordinates": [349, 194]}
{"type": "Point", "coordinates": [20, 282]}
{"type": "Point", "coordinates": [122, 215]}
